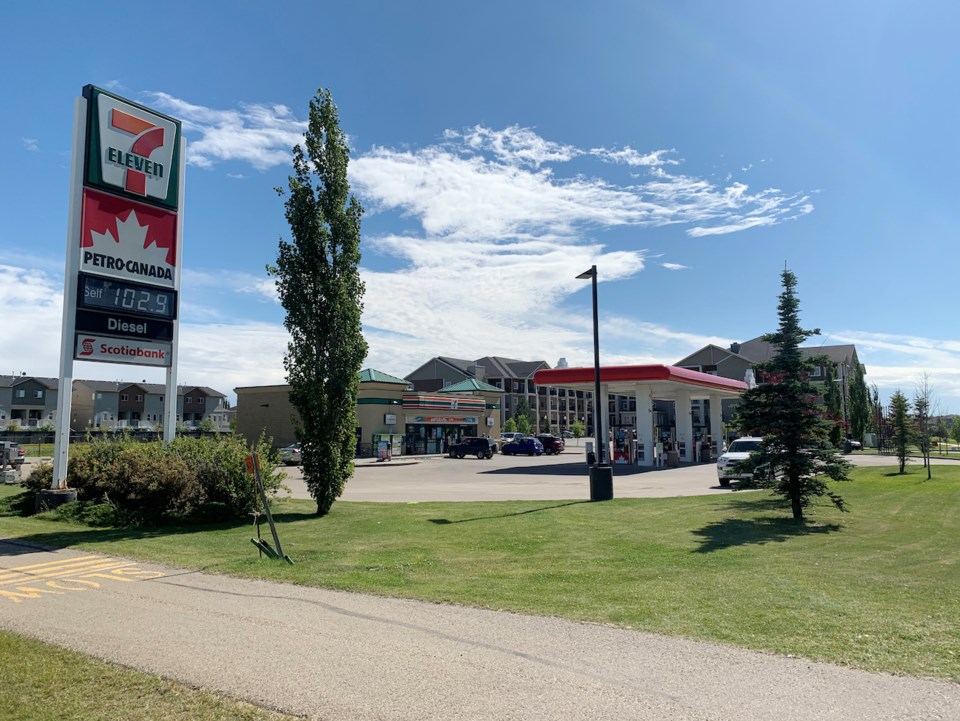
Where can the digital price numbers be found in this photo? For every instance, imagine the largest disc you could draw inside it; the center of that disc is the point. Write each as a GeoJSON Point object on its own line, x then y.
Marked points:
{"type": "Point", "coordinates": [118, 296]}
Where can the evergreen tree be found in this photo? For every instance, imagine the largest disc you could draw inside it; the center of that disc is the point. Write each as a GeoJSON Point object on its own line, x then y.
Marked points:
{"type": "Point", "coordinates": [900, 423]}
{"type": "Point", "coordinates": [860, 411]}
{"type": "Point", "coordinates": [318, 281]}
{"type": "Point", "coordinates": [782, 410]}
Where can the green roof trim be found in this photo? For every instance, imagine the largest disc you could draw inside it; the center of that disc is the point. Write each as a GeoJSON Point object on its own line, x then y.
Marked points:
{"type": "Point", "coordinates": [471, 384]}
{"type": "Point", "coordinates": [369, 375]}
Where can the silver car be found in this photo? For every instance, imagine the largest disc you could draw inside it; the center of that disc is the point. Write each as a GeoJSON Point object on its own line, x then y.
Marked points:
{"type": "Point", "coordinates": [291, 455]}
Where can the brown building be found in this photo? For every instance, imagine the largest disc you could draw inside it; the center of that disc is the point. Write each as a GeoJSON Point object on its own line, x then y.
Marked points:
{"type": "Point", "coordinates": [388, 411]}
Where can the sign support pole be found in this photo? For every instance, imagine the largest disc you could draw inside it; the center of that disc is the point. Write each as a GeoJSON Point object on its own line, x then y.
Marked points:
{"type": "Point", "coordinates": [67, 340]}
{"type": "Point", "coordinates": [170, 399]}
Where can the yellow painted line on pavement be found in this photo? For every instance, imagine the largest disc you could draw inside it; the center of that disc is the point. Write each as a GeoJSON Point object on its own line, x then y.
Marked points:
{"type": "Point", "coordinates": [60, 578]}
{"type": "Point", "coordinates": [19, 569]}
{"type": "Point", "coordinates": [76, 570]}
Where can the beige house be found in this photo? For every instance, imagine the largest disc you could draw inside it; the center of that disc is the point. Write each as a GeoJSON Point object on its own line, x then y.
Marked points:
{"type": "Point", "coordinates": [389, 412]}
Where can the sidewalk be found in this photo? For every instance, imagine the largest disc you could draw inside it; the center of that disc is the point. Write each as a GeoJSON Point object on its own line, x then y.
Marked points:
{"type": "Point", "coordinates": [351, 657]}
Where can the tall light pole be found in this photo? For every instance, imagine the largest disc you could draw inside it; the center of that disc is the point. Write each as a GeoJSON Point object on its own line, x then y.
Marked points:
{"type": "Point", "coordinates": [592, 274]}
{"type": "Point", "coordinates": [601, 474]}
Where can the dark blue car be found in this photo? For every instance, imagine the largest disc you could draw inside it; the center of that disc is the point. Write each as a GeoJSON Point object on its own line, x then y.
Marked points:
{"type": "Point", "coordinates": [529, 446]}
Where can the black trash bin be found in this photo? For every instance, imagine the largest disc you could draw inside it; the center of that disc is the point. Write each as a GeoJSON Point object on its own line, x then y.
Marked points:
{"type": "Point", "coordinates": [601, 482]}
{"type": "Point", "coordinates": [591, 458]}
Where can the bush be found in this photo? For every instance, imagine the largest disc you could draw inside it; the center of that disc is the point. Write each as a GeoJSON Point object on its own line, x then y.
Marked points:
{"type": "Point", "coordinates": [188, 479]}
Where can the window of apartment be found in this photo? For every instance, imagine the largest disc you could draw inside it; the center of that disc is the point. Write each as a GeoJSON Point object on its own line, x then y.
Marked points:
{"type": "Point", "coordinates": [139, 396]}
{"type": "Point", "coordinates": [38, 394]}
{"type": "Point", "coordinates": [816, 372]}
{"type": "Point", "coordinates": [188, 400]}
{"type": "Point", "coordinates": [21, 393]}
{"type": "Point", "coordinates": [124, 397]}
{"type": "Point", "coordinates": [98, 396]}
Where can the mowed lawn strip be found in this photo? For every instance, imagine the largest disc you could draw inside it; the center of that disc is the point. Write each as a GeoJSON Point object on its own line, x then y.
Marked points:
{"type": "Point", "coordinates": [877, 588]}
{"type": "Point", "coordinates": [45, 683]}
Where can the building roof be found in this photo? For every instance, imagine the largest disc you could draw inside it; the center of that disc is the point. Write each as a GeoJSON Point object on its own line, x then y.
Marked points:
{"type": "Point", "coordinates": [370, 375]}
{"type": "Point", "coordinates": [510, 367]}
{"type": "Point", "coordinates": [49, 383]}
{"type": "Point", "coordinates": [471, 384]}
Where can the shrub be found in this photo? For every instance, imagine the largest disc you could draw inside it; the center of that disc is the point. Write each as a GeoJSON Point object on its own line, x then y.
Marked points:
{"type": "Point", "coordinates": [188, 479]}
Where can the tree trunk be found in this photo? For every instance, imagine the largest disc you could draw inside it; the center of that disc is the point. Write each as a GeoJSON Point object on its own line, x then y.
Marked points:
{"type": "Point", "coordinates": [797, 508]}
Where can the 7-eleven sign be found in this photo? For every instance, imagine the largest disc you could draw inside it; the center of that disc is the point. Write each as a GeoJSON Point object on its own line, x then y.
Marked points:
{"type": "Point", "coordinates": [131, 149]}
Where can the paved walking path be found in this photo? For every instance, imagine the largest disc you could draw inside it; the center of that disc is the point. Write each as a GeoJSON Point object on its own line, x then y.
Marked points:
{"type": "Point", "coordinates": [351, 657]}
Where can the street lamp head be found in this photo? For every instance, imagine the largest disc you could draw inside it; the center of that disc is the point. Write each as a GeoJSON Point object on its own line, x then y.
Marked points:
{"type": "Point", "coordinates": [587, 274]}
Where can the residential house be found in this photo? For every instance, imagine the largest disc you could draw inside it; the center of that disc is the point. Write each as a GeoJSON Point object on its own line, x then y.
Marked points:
{"type": "Point", "coordinates": [27, 401]}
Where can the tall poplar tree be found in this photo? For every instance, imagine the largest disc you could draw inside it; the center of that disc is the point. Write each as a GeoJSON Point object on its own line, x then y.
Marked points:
{"type": "Point", "coordinates": [783, 411]}
{"type": "Point", "coordinates": [859, 403]}
{"type": "Point", "coordinates": [318, 280]}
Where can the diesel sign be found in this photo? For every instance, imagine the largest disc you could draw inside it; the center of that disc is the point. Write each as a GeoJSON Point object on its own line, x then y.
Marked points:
{"type": "Point", "coordinates": [121, 326]}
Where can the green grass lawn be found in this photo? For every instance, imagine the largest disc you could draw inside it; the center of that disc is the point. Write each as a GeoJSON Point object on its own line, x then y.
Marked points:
{"type": "Point", "coordinates": [877, 588]}
{"type": "Point", "coordinates": [46, 683]}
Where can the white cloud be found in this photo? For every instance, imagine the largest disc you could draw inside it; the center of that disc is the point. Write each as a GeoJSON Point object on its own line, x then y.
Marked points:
{"type": "Point", "coordinates": [259, 134]}
{"type": "Point", "coordinates": [674, 266]}
{"type": "Point", "coordinates": [30, 144]}
{"type": "Point", "coordinates": [635, 158]}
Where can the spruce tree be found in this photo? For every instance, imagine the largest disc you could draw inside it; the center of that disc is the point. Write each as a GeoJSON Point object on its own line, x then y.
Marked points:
{"type": "Point", "coordinates": [900, 423]}
{"type": "Point", "coordinates": [318, 280]}
{"type": "Point", "coordinates": [782, 409]}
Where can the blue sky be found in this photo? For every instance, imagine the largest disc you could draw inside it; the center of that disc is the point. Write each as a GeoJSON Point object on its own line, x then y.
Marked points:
{"type": "Point", "coordinates": [689, 149]}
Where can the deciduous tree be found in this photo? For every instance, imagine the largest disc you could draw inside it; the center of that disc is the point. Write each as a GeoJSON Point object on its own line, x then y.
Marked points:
{"type": "Point", "coordinates": [859, 403]}
{"type": "Point", "coordinates": [782, 410]}
{"type": "Point", "coordinates": [318, 281]}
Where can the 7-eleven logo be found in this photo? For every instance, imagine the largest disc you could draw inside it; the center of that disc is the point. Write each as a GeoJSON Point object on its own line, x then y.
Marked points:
{"type": "Point", "coordinates": [148, 138]}
{"type": "Point", "coordinates": [135, 149]}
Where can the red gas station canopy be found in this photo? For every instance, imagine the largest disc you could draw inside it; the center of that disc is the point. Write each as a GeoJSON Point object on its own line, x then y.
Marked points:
{"type": "Point", "coordinates": [661, 380]}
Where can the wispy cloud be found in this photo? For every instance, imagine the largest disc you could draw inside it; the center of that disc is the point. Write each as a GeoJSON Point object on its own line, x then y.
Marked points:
{"type": "Point", "coordinates": [259, 134]}
{"type": "Point", "coordinates": [30, 144]}
{"type": "Point", "coordinates": [674, 266]}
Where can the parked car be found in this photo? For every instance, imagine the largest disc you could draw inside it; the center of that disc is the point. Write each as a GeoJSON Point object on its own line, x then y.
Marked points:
{"type": "Point", "coordinates": [566, 434]}
{"type": "Point", "coordinates": [508, 436]}
{"type": "Point", "coordinates": [551, 443]}
{"type": "Point", "coordinates": [291, 455]}
{"type": "Point", "coordinates": [473, 446]}
{"type": "Point", "coordinates": [527, 445]}
{"type": "Point", "coordinates": [13, 454]}
{"type": "Point", "coordinates": [739, 450]}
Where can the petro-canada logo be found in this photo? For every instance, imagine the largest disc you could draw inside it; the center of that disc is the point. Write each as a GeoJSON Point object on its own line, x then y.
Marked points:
{"type": "Point", "coordinates": [136, 151]}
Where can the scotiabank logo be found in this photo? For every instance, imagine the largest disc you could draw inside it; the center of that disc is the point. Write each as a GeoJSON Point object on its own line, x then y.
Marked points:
{"type": "Point", "coordinates": [136, 148]}
{"type": "Point", "coordinates": [114, 350]}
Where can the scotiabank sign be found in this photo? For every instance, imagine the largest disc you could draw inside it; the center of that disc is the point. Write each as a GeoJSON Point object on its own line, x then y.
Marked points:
{"type": "Point", "coordinates": [116, 350]}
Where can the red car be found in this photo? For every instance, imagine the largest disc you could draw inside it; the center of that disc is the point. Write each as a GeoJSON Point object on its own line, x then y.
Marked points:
{"type": "Point", "coordinates": [551, 444]}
